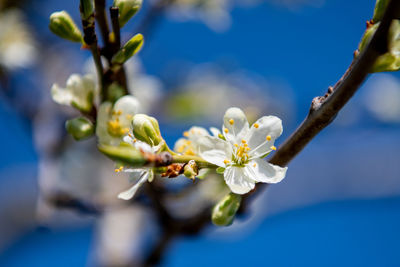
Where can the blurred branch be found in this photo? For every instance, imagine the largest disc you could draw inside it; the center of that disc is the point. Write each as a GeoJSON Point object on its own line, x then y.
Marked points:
{"type": "Point", "coordinates": [66, 201]}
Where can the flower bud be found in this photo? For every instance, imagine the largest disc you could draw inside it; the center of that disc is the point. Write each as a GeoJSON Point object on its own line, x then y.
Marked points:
{"type": "Point", "coordinates": [127, 9]}
{"type": "Point", "coordinates": [224, 212]}
{"type": "Point", "coordinates": [130, 48]}
{"type": "Point", "coordinates": [61, 24]}
{"type": "Point", "coordinates": [379, 10]}
{"type": "Point", "coordinates": [80, 128]}
{"type": "Point", "coordinates": [191, 170]}
{"type": "Point", "coordinates": [146, 129]}
{"type": "Point", "coordinates": [86, 8]}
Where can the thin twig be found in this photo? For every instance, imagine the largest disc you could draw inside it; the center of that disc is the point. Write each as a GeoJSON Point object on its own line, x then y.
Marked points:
{"type": "Point", "coordinates": [90, 39]}
{"type": "Point", "coordinates": [101, 18]}
{"type": "Point", "coordinates": [114, 14]}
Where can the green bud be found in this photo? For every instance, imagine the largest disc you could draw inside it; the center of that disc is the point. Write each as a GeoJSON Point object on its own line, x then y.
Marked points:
{"type": "Point", "coordinates": [379, 10]}
{"type": "Point", "coordinates": [80, 128]}
{"type": "Point", "coordinates": [224, 212]}
{"type": "Point", "coordinates": [86, 8]}
{"type": "Point", "coordinates": [130, 48]}
{"type": "Point", "coordinates": [146, 129]}
{"type": "Point", "coordinates": [191, 170]}
{"type": "Point", "coordinates": [127, 9]}
{"type": "Point", "coordinates": [123, 153]}
{"type": "Point", "coordinates": [61, 24]}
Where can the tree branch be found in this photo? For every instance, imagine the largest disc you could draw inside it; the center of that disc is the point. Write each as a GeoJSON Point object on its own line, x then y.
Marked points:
{"type": "Point", "coordinates": [324, 109]}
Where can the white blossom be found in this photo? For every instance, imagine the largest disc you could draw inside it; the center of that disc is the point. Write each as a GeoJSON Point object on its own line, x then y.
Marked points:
{"type": "Point", "coordinates": [241, 150]}
{"type": "Point", "coordinates": [114, 122]}
{"type": "Point", "coordinates": [78, 93]}
{"type": "Point", "coordinates": [189, 144]}
{"type": "Point", "coordinates": [138, 176]}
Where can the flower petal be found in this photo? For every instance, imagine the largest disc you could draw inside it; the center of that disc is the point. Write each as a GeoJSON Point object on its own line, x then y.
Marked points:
{"type": "Point", "coordinates": [257, 136]}
{"type": "Point", "coordinates": [215, 131]}
{"type": "Point", "coordinates": [128, 106]}
{"type": "Point", "coordinates": [128, 194]}
{"type": "Point", "coordinates": [236, 125]}
{"type": "Point", "coordinates": [237, 180]}
{"type": "Point", "coordinates": [261, 171]}
{"type": "Point", "coordinates": [214, 150]}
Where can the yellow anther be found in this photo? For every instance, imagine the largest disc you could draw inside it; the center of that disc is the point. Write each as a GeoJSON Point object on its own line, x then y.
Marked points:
{"type": "Point", "coordinates": [254, 165]}
{"type": "Point", "coordinates": [247, 148]}
{"type": "Point", "coordinates": [135, 140]}
{"type": "Point", "coordinates": [236, 145]}
{"type": "Point", "coordinates": [119, 169]}
{"type": "Point", "coordinates": [186, 134]}
{"type": "Point", "coordinates": [246, 145]}
{"type": "Point", "coordinates": [256, 125]}
{"type": "Point", "coordinates": [226, 130]}
{"type": "Point", "coordinates": [119, 112]}
{"type": "Point", "coordinates": [243, 141]}
{"type": "Point", "coordinates": [268, 138]}
{"type": "Point", "coordinates": [125, 130]}
{"type": "Point", "coordinates": [273, 147]}
{"type": "Point", "coordinates": [128, 116]}
{"type": "Point", "coordinates": [231, 121]}
{"type": "Point", "coordinates": [226, 161]}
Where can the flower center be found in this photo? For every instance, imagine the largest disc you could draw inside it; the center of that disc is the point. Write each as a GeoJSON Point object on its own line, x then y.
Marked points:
{"type": "Point", "coordinates": [241, 153]}
{"type": "Point", "coordinates": [114, 126]}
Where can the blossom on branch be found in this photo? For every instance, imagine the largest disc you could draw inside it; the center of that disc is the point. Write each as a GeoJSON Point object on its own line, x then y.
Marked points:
{"type": "Point", "coordinates": [241, 150]}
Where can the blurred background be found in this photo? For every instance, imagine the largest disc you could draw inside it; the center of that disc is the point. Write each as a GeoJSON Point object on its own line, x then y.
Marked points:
{"type": "Point", "coordinates": [338, 205]}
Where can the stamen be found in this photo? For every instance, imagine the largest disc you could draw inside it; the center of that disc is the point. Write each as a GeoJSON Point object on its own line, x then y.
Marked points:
{"type": "Point", "coordinates": [186, 134]}
{"type": "Point", "coordinates": [236, 145]}
{"type": "Point", "coordinates": [256, 125]}
{"type": "Point", "coordinates": [119, 169]}
{"type": "Point", "coordinates": [268, 138]}
{"type": "Point", "coordinates": [226, 161]}
{"type": "Point", "coordinates": [231, 121]}
{"type": "Point", "coordinates": [226, 130]}
{"type": "Point", "coordinates": [243, 141]}
{"type": "Point", "coordinates": [273, 147]}
{"type": "Point", "coordinates": [254, 165]}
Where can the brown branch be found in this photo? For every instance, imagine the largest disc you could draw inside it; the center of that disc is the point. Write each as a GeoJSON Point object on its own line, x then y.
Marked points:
{"type": "Point", "coordinates": [90, 39]}
{"type": "Point", "coordinates": [101, 18]}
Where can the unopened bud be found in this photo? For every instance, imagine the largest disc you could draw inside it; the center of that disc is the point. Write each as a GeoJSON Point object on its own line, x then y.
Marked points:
{"type": "Point", "coordinates": [127, 9]}
{"type": "Point", "coordinates": [191, 170]}
{"type": "Point", "coordinates": [86, 8]}
{"type": "Point", "coordinates": [146, 129]}
{"type": "Point", "coordinates": [130, 48]}
{"type": "Point", "coordinates": [80, 128]}
{"type": "Point", "coordinates": [61, 24]}
{"type": "Point", "coordinates": [379, 10]}
{"type": "Point", "coordinates": [224, 212]}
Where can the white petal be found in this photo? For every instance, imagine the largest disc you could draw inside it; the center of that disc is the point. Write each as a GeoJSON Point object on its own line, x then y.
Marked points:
{"type": "Point", "coordinates": [236, 122]}
{"type": "Point", "coordinates": [61, 95]}
{"type": "Point", "coordinates": [261, 171]}
{"type": "Point", "coordinates": [126, 195]}
{"type": "Point", "coordinates": [256, 137]}
{"type": "Point", "coordinates": [237, 180]}
{"type": "Point", "coordinates": [196, 132]}
{"type": "Point", "coordinates": [215, 131]}
{"type": "Point", "coordinates": [143, 146]}
{"type": "Point", "coordinates": [214, 150]}
{"type": "Point", "coordinates": [128, 105]}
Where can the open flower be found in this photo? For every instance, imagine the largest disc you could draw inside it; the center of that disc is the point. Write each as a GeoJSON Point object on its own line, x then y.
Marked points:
{"type": "Point", "coordinates": [138, 176]}
{"type": "Point", "coordinates": [79, 92]}
{"type": "Point", "coordinates": [114, 122]}
{"type": "Point", "coordinates": [242, 151]}
{"type": "Point", "coordinates": [189, 145]}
